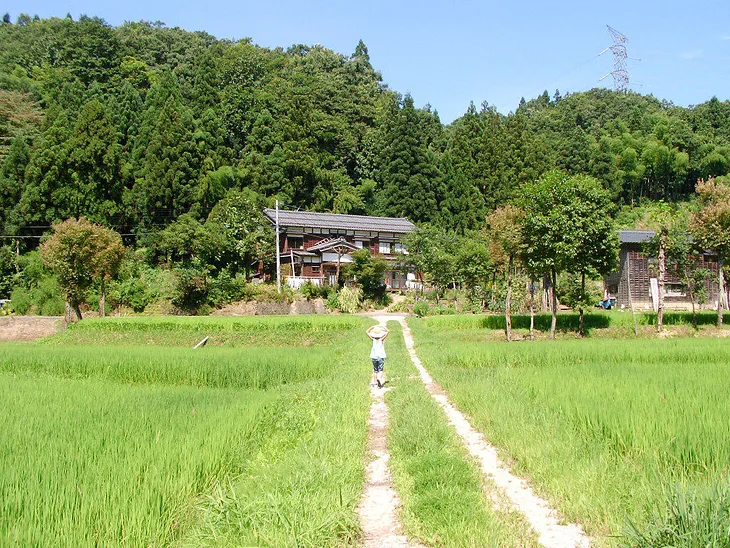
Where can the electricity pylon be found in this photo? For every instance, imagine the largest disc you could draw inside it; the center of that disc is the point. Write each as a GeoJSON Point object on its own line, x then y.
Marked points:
{"type": "Point", "coordinates": [620, 73]}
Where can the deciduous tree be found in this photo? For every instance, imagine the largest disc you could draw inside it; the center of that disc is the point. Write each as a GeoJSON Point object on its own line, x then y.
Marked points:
{"type": "Point", "coordinates": [78, 252]}
{"type": "Point", "coordinates": [247, 235]}
{"type": "Point", "coordinates": [506, 246]}
{"type": "Point", "coordinates": [566, 227]}
{"type": "Point", "coordinates": [710, 226]}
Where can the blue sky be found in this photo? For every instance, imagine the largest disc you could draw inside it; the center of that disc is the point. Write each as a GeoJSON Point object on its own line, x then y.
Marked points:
{"type": "Point", "coordinates": [450, 53]}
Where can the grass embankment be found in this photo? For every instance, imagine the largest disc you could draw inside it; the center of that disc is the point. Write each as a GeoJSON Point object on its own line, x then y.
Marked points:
{"type": "Point", "coordinates": [138, 446]}
{"type": "Point", "coordinates": [605, 428]}
{"type": "Point", "coordinates": [443, 501]}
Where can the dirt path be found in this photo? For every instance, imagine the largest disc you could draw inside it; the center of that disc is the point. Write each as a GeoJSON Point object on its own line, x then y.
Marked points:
{"type": "Point", "coordinates": [543, 519]}
{"type": "Point", "coordinates": [378, 509]}
{"type": "Point", "coordinates": [28, 328]}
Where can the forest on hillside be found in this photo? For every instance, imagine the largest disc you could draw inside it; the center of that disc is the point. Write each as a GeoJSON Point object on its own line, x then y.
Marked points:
{"type": "Point", "coordinates": [136, 125]}
{"type": "Point", "coordinates": [175, 139]}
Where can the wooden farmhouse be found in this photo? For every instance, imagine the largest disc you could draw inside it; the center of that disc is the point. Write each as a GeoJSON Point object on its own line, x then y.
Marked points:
{"type": "Point", "coordinates": [635, 283]}
{"type": "Point", "coordinates": [312, 244]}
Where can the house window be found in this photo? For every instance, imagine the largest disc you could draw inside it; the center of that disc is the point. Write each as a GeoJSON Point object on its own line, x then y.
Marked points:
{"type": "Point", "coordinates": [674, 290]}
{"type": "Point", "coordinates": [315, 268]}
{"type": "Point", "coordinates": [385, 248]}
{"type": "Point", "coordinates": [358, 244]}
{"type": "Point", "coordinates": [400, 248]}
{"type": "Point", "coordinates": [294, 243]}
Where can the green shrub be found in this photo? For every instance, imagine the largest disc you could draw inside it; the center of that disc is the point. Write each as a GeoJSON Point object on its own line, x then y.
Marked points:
{"type": "Point", "coordinates": [20, 300]}
{"type": "Point", "coordinates": [310, 291]}
{"type": "Point", "coordinates": [53, 307]}
{"type": "Point", "coordinates": [140, 286]}
{"type": "Point", "coordinates": [132, 292]}
{"type": "Point", "coordinates": [268, 293]}
{"type": "Point", "coordinates": [570, 292]}
{"type": "Point", "coordinates": [348, 300]}
{"type": "Point", "coordinates": [45, 298]}
{"type": "Point", "coordinates": [226, 288]}
{"type": "Point", "coordinates": [402, 306]}
{"type": "Point", "coordinates": [420, 309]}
{"type": "Point", "coordinates": [8, 276]}
{"type": "Point", "coordinates": [192, 287]}
{"type": "Point", "coordinates": [32, 270]}
{"type": "Point", "coordinates": [376, 304]}
{"type": "Point", "coordinates": [442, 310]}
{"type": "Point", "coordinates": [369, 272]}
{"type": "Point", "coordinates": [332, 301]}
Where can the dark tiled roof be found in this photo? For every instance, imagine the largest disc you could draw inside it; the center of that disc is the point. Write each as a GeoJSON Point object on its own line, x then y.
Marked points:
{"type": "Point", "coordinates": [635, 236]}
{"type": "Point", "coordinates": [340, 221]}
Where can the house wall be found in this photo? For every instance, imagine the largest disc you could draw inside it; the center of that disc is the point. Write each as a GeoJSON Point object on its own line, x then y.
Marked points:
{"type": "Point", "coordinates": [311, 236]}
{"type": "Point", "coordinates": [323, 266]}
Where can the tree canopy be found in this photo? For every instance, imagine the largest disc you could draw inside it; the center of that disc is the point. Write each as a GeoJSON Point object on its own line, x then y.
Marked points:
{"type": "Point", "coordinates": [136, 125]}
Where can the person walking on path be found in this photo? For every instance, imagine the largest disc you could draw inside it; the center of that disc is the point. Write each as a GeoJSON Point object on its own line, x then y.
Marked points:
{"type": "Point", "coordinates": [378, 334]}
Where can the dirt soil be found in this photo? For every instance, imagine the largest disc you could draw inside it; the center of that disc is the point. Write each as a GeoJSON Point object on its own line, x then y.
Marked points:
{"type": "Point", "coordinates": [29, 328]}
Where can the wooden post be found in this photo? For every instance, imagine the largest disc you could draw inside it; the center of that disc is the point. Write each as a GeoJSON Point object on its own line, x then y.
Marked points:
{"type": "Point", "coordinates": [337, 274]}
{"type": "Point", "coordinates": [67, 319]}
{"type": "Point", "coordinates": [102, 299]}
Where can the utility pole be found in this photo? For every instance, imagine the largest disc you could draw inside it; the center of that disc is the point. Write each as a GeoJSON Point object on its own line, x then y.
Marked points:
{"type": "Point", "coordinates": [278, 258]}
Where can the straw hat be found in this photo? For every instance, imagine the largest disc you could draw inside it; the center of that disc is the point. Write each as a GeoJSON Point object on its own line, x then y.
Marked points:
{"type": "Point", "coordinates": [378, 331]}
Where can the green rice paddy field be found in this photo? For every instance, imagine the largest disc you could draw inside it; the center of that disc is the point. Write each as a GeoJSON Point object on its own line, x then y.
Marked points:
{"type": "Point", "coordinates": [117, 433]}
{"type": "Point", "coordinates": [147, 442]}
{"type": "Point", "coordinates": [612, 432]}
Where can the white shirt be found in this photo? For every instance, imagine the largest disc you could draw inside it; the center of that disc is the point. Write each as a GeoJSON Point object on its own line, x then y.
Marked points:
{"type": "Point", "coordinates": [378, 351]}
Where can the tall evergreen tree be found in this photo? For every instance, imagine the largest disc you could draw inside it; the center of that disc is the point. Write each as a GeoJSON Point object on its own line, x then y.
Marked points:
{"type": "Point", "coordinates": [167, 163]}
{"type": "Point", "coordinates": [407, 174]}
{"type": "Point", "coordinates": [461, 206]}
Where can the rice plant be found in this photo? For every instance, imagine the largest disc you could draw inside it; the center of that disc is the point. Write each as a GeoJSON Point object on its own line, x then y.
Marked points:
{"type": "Point", "coordinates": [146, 445]}
{"type": "Point", "coordinates": [442, 493]}
{"type": "Point", "coordinates": [93, 463]}
{"type": "Point", "coordinates": [223, 331]}
{"type": "Point", "coordinates": [259, 368]}
{"type": "Point", "coordinates": [601, 426]}
{"type": "Point", "coordinates": [695, 517]}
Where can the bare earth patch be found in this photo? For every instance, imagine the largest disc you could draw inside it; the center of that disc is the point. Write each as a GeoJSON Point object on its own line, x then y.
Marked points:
{"type": "Point", "coordinates": [28, 328]}
{"type": "Point", "coordinates": [543, 519]}
{"type": "Point", "coordinates": [378, 509]}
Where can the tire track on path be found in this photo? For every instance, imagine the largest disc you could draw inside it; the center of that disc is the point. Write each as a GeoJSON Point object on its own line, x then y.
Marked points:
{"type": "Point", "coordinates": [378, 509]}
{"type": "Point", "coordinates": [536, 510]}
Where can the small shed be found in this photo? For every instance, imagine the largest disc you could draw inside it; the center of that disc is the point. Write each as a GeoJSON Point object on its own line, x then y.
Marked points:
{"type": "Point", "coordinates": [635, 282]}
